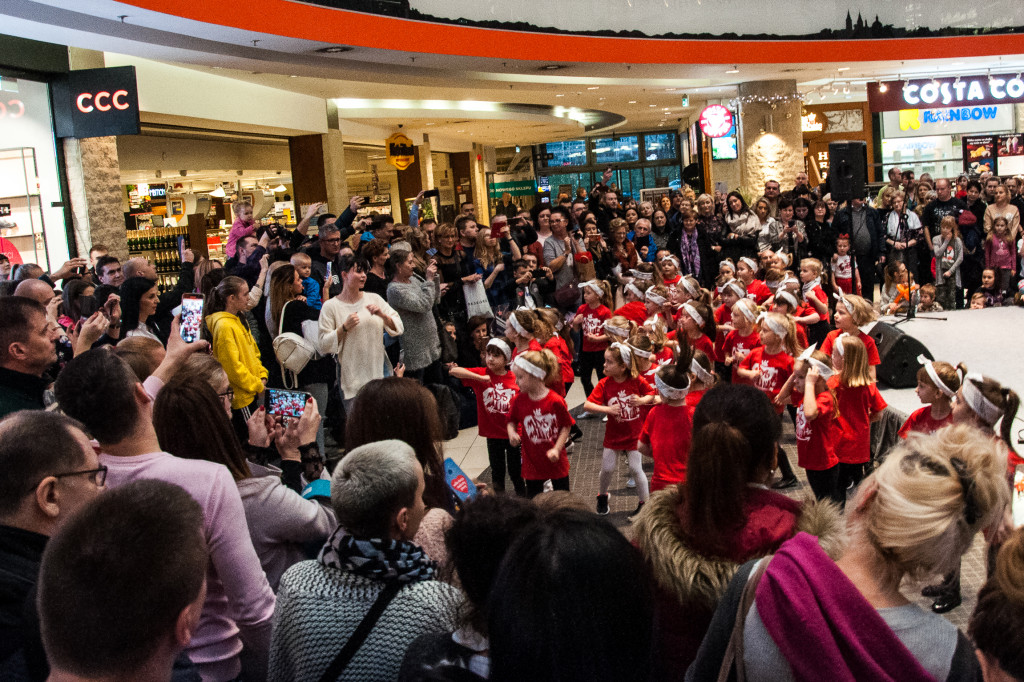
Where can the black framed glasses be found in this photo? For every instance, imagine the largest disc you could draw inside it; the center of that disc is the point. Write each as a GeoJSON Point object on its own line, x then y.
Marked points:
{"type": "Point", "coordinates": [98, 475]}
{"type": "Point", "coordinates": [228, 394]}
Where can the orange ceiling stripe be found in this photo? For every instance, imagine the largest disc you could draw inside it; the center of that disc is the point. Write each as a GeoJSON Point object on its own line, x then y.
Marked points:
{"type": "Point", "coordinates": [325, 24]}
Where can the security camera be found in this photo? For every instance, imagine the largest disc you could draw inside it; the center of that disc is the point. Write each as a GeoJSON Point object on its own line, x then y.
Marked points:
{"type": "Point", "coordinates": [159, 174]}
{"type": "Point", "coordinates": [238, 172]}
{"type": "Point", "coordinates": [183, 173]}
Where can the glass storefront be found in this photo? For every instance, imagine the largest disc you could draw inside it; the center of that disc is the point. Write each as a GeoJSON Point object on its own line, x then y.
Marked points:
{"type": "Point", "coordinates": [32, 216]}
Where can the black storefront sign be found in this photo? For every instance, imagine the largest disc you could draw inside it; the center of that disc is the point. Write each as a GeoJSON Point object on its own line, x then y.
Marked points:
{"type": "Point", "coordinates": [96, 102]}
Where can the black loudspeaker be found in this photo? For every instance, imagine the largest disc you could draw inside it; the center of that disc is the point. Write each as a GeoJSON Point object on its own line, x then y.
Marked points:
{"type": "Point", "coordinates": [898, 352]}
{"type": "Point", "coordinates": [848, 169]}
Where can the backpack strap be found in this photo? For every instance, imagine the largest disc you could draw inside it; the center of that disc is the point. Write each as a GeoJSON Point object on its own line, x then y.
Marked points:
{"type": "Point", "coordinates": [734, 652]}
{"type": "Point", "coordinates": [344, 657]}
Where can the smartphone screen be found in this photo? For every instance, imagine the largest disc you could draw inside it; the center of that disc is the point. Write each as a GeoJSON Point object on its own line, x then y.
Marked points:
{"type": "Point", "coordinates": [287, 404]}
{"type": "Point", "coordinates": [191, 317]}
{"type": "Point", "coordinates": [431, 252]}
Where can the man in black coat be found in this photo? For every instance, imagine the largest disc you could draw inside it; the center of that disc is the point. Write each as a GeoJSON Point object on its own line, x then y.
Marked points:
{"type": "Point", "coordinates": [864, 227]}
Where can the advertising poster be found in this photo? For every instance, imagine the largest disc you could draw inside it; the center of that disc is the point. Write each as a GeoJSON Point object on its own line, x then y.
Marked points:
{"type": "Point", "coordinates": [1011, 154]}
{"type": "Point", "coordinates": [979, 153]}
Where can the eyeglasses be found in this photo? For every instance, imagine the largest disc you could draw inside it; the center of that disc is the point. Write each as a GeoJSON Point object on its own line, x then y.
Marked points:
{"type": "Point", "coordinates": [228, 394]}
{"type": "Point", "coordinates": [98, 475]}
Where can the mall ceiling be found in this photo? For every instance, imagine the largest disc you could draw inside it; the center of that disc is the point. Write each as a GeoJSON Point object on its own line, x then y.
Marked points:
{"type": "Point", "coordinates": [646, 94]}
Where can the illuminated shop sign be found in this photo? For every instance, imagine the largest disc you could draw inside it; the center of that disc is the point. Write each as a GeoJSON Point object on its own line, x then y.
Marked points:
{"type": "Point", "coordinates": [716, 121]}
{"type": "Point", "coordinates": [400, 151]}
{"type": "Point", "coordinates": [954, 120]}
{"type": "Point", "coordinates": [946, 92]}
{"type": "Point", "coordinates": [96, 102]}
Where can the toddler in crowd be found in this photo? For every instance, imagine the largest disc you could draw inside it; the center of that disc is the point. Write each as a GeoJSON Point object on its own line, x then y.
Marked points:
{"type": "Point", "coordinates": [937, 384]}
{"type": "Point", "coordinates": [310, 288]}
{"type": "Point", "coordinates": [243, 226]}
{"type": "Point", "coordinates": [928, 303]}
{"type": "Point", "coordinates": [845, 275]}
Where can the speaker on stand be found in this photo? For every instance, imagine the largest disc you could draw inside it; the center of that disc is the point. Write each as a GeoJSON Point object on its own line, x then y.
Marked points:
{"type": "Point", "coordinates": [898, 352]}
{"type": "Point", "coordinates": [848, 169]}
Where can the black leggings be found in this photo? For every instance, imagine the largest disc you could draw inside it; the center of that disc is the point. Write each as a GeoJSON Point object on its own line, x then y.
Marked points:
{"type": "Point", "coordinates": [825, 484]}
{"type": "Point", "coordinates": [536, 487]}
{"type": "Point", "coordinates": [499, 452]}
{"type": "Point", "coordinates": [849, 474]}
{"type": "Point", "coordinates": [591, 361]}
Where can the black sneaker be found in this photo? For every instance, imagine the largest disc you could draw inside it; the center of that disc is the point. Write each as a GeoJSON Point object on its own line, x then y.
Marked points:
{"type": "Point", "coordinates": [784, 483]}
{"type": "Point", "coordinates": [575, 433]}
{"type": "Point", "coordinates": [636, 512]}
{"type": "Point", "coordinates": [933, 590]}
{"type": "Point", "coordinates": [602, 505]}
{"type": "Point", "coordinates": [946, 602]}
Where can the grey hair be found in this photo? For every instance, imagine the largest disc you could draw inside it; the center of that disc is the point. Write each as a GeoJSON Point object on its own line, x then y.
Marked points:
{"type": "Point", "coordinates": [371, 483]}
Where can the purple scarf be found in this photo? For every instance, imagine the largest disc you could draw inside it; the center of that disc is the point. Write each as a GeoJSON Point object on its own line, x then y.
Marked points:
{"type": "Point", "coordinates": [807, 604]}
{"type": "Point", "coordinates": [690, 253]}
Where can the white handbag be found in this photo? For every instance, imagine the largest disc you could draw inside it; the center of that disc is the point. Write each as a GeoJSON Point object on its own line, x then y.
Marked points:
{"type": "Point", "coordinates": [293, 351]}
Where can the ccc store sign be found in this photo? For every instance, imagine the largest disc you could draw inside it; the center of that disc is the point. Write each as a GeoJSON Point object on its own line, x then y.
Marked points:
{"type": "Point", "coordinates": [12, 108]}
{"type": "Point", "coordinates": [102, 101]}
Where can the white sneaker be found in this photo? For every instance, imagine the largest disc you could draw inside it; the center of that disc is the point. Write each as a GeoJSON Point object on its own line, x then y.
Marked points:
{"type": "Point", "coordinates": [583, 414]}
{"type": "Point", "coordinates": [605, 420]}
{"type": "Point", "coordinates": [631, 483]}
{"type": "Point", "coordinates": [548, 487]}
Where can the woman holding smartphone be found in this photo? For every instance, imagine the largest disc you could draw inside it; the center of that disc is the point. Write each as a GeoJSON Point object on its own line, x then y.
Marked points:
{"type": "Point", "coordinates": [287, 314]}
{"type": "Point", "coordinates": [352, 326]}
{"type": "Point", "coordinates": [235, 348]}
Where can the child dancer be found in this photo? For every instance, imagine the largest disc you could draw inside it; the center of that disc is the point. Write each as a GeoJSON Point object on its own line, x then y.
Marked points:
{"type": "Point", "coordinates": [659, 340]}
{"type": "Point", "coordinates": [549, 324]}
{"type": "Point", "coordinates": [845, 275]}
{"type": "Point", "coordinates": [665, 436]}
{"type": "Point", "coordinates": [615, 396]}
{"type": "Point", "coordinates": [590, 319]}
{"type": "Point", "coordinates": [746, 272]}
{"type": "Point", "coordinates": [634, 308]}
{"type": "Point", "coordinates": [642, 348]}
{"type": "Point", "coordinates": [768, 367]}
{"type": "Point", "coordinates": [495, 387]}
{"type": "Point", "coordinates": [668, 264]}
{"type": "Point", "coordinates": [698, 327]}
{"type": "Point", "coordinates": [521, 331]}
{"type": "Point", "coordinates": [544, 420]}
{"type": "Point", "coordinates": [702, 377]}
{"type": "Point", "coordinates": [937, 384]}
{"type": "Point", "coordinates": [743, 338]}
{"type": "Point", "coordinates": [859, 404]}
{"type": "Point", "coordinates": [787, 303]}
{"type": "Point", "coordinates": [852, 313]}
{"type": "Point", "coordinates": [948, 248]}
{"type": "Point", "coordinates": [732, 292]}
{"type": "Point", "coordinates": [657, 304]}
{"type": "Point", "coordinates": [816, 423]}
{"type": "Point", "coordinates": [689, 289]}
{"type": "Point", "coordinates": [814, 295]}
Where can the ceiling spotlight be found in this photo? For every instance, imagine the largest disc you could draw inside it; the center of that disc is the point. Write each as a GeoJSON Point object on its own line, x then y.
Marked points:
{"type": "Point", "coordinates": [632, 101]}
{"type": "Point", "coordinates": [882, 87]}
{"type": "Point", "coordinates": [734, 69]}
{"type": "Point", "coordinates": [219, 192]}
{"type": "Point", "coordinates": [593, 87]}
{"type": "Point", "coordinates": [843, 68]}
{"type": "Point", "coordinates": [551, 67]}
{"type": "Point", "coordinates": [279, 189]}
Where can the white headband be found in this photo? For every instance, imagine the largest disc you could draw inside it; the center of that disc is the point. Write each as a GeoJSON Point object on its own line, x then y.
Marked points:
{"type": "Point", "coordinates": [977, 401]}
{"type": "Point", "coordinates": [839, 344]}
{"type": "Point", "coordinates": [642, 275]}
{"type": "Point", "coordinates": [520, 329]}
{"type": "Point", "coordinates": [502, 346]}
{"type": "Point", "coordinates": [749, 261]}
{"type": "Point", "coordinates": [636, 290]}
{"type": "Point", "coordinates": [667, 391]}
{"type": "Point", "coordinates": [736, 287]}
{"type": "Point", "coordinates": [530, 368]}
{"type": "Point", "coordinates": [655, 298]}
{"type": "Point", "coordinates": [645, 354]}
{"type": "Point", "coordinates": [616, 331]}
{"type": "Point", "coordinates": [593, 285]}
{"type": "Point", "coordinates": [694, 313]}
{"type": "Point", "coordinates": [624, 352]}
{"type": "Point", "coordinates": [929, 367]}
{"type": "Point", "coordinates": [671, 258]}
{"type": "Point", "coordinates": [789, 298]}
{"type": "Point", "coordinates": [702, 374]}
{"type": "Point", "coordinates": [787, 280]}
{"type": "Point", "coordinates": [690, 289]}
{"type": "Point", "coordinates": [747, 313]}
{"type": "Point", "coordinates": [845, 301]}
{"type": "Point", "coordinates": [824, 371]}
{"type": "Point", "coordinates": [773, 324]}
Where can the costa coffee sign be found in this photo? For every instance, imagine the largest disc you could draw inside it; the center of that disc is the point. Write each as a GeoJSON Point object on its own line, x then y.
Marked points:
{"type": "Point", "coordinates": [96, 102]}
{"type": "Point", "coordinates": [945, 92]}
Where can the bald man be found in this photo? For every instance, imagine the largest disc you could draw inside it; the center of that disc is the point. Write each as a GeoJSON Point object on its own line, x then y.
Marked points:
{"type": "Point", "coordinates": [37, 290]}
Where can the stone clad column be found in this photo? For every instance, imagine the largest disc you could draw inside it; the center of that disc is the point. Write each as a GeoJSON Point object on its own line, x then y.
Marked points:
{"type": "Point", "coordinates": [334, 172]}
{"type": "Point", "coordinates": [94, 183]}
{"type": "Point", "coordinates": [771, 141]}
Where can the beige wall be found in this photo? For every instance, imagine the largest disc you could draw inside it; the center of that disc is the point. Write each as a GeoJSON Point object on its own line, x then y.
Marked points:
{"type": "Point", "coordinates": [777, 153]}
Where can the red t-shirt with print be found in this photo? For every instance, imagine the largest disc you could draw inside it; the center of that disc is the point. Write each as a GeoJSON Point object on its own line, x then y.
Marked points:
{"type": "Point", "coordinates": [869, 345]}
{"type": "Point", "coordinates": [856, 405]}
{"type": "Point", "coordinates": [622, 430]}
{"type": "Point", "coordinates": [743, 344]}
{"type": "Point", "coordinates": [493, 401]}
{"type": "Point", "coordinates": [593, 325]}
{"type": "Point", "coordinates": [635, 311]}
{"type": "Point", "coordinates": [667, 430]}
{"type": "Point", "coordinates": [816, 439]}
{"type": "Point", "coordinates": [722, 316]}
{"type": "Point", "coordinates": [775, 370]}
{"type": "Point", "coordinates": [921, 421]}
{"type": "Point", "coordinates": [540, 422]}
{"type": "Point", "coordinates": [758, 291]}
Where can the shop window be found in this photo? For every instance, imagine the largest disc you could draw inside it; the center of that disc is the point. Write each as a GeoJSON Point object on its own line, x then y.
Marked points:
{"type": "Point", "coordinates": [616, 149]}
{"type": "Point", "coordinates": [567, 153]}
{"type": "Point", "coordinates": [660, 147]}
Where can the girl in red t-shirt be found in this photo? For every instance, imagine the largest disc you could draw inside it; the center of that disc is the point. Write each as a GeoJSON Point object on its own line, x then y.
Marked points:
{"type": "Point", "coordinates": [733, 291]}
{"type": "Point", "coordinates": [768, 367]}
{"type": "Point", "coordinates": [543, 419]}
{"type": "Point", "coordinates": [668, 264]}
{"type": "Point", "coordinates": [665, 436]}
{"type": "Point", "coordinates": [634, 308]}
{"type": "Point", "coordinates": [521, 330]}
{"type": "Point", "coordinates": [642, 348]}
{"type": "Point", "coordinates": [616, 395]}
{"type": "Point", "coordinates": [859, 404]}
{"type": "Point", "coordinates": [810, 279]}
{"type": "Point", "coordinates": [589, 320]}
{"type": "Point", "coordinates": [743, 338]}
{"type": "Point", "coordinates": [697, 326]}
{"type": "Point", "coordinates": [746, 273]}
{"type": "Point", "coordinates": [852, 313]}
{"type": "Point", "coordinates": [689, 289]}
{"type": "Point", "coordinates": [817, 423]}
{"type": "Point", "coordinates": [787, 303]}
{"type": "Point", "coordinates": [495, 387]}
{"type": "Point", "coordinates": [659, 308]}
{"type": "Point", "coordinates": [702, 377]}
{"type": "Point", "coordinates": [937, 384]}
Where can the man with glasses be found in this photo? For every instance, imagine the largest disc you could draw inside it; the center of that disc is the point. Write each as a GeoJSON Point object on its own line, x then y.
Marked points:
{"type": "Point", "coordinates": [50, 472]}
{"type": "Point", "coordinates": [772, 190]}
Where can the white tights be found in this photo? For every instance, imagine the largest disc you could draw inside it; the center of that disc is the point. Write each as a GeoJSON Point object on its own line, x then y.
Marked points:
{"type": "Point", "coordinates": [633, 458]}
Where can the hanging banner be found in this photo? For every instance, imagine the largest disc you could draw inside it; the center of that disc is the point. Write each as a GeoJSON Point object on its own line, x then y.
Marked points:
{"type": "Point", "coordinates": [400, 151]}
{"type": "Point", "coordinates": [517, 188]}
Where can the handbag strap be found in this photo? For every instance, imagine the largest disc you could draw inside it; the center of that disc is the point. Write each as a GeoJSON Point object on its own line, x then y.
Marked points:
{"type": "Point", "coordinates": [280, 323]}
{"type": "Point", "coordinates": [734, 652]}
{"type": "Point", "coordinates": [344, 657]}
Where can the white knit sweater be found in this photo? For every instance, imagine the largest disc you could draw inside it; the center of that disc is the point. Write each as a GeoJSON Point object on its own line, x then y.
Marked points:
{"type": "Point", "coordinates": [318, 608]}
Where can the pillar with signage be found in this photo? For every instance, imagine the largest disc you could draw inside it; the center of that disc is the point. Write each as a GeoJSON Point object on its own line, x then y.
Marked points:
{"type": "Point", "coordinates": [401, 153]}
{"type": "Point", "coordinates": [720, 151]}
{"type": "Point", "coordinates": [771, 141]}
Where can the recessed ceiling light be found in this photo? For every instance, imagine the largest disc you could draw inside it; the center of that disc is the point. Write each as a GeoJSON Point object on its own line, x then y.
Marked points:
{"type": "Point", "coordinates": [593, 87]}
{"type": "Point", "coordinates": [334, 49]}
{"type": "Point", "coordinates": [551, 67]}
{"type": "Point", "coordinates": [559, 95]}
{"type": "Point", "coordinates": [460, 131]}
{"type": "Point", "coordinates": [734, 69]}
{"type": "Point", "coordinates": [843, 68]}
{"type": "Point", "coordinates": [632, 101]}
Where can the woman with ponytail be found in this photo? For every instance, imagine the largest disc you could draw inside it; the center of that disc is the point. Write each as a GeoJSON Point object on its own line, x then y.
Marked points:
{"type": "Point", "coordinates": [696, 535]}
{"type": "Point", "coordinates": [998, 619]}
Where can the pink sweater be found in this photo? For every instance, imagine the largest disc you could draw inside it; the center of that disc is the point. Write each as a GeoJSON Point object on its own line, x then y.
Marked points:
{"type": "Point", "coordinates": [239, 602]}
{"type": "Point", "coordinates": [1000, 254]}
{"type": "Point", "coordinates": [238, 230]}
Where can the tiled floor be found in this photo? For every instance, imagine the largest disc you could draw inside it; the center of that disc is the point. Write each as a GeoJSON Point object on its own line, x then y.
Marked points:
{"type": "Point", "coordinates": [470, 452]}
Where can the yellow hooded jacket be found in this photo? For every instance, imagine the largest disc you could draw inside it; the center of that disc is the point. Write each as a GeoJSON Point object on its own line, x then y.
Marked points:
{"type": "Point", "coordinates": [236, 351]}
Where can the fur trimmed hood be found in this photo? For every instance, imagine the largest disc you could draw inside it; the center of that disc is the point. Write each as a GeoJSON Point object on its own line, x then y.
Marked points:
{"type": "Point", "coordinates": [699, 580]}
